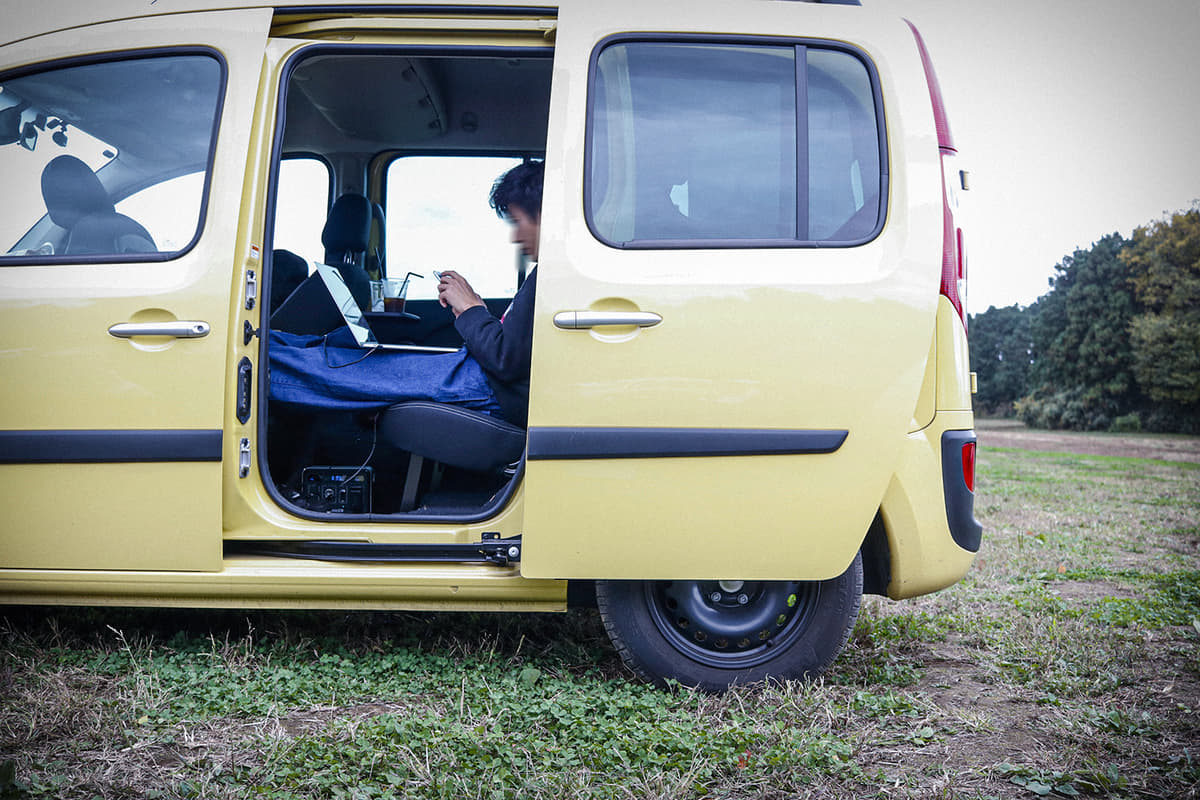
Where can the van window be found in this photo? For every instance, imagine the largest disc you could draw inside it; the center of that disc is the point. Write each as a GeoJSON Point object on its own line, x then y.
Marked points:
{"type": "Point", "coordinates": [182, 196]}
{"type": "Point", "coordinates": [730, 144]}
{"type": "Point", "coordinates": [301, 206]}
{"type": "Point", "coordinates": [432, 202]}
{"type": "Point", "coordinates": [76, 141]}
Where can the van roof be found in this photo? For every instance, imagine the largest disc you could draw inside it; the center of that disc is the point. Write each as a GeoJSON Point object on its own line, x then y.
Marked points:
{"type": "Point", "coordinates": [35, 19]}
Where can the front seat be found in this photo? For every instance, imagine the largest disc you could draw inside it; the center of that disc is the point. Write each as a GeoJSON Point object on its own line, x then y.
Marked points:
{"type": "Point", "coordinates": [77, 202]}
{"type": "Point", "coordinates": [346, 236]}
{"type": "Point", "coordinates": [288, 271]}
{"type": "Point", "coordinates": [450, 435]}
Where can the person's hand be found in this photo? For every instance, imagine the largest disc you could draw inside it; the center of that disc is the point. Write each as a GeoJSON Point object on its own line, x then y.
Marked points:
{"type": "Point", "coordinates": [456, 294]}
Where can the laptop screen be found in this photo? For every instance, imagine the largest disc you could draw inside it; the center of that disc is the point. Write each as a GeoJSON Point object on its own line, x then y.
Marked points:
{"type": "Point", "coordinates": [349, 309]}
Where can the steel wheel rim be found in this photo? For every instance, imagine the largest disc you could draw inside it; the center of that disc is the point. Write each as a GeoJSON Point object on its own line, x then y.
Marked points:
{"type": "Point", "coordinates": [731, 624]}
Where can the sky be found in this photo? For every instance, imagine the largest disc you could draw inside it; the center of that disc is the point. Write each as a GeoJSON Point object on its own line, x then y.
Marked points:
{"type": "Point", "coordinates": [1075, 118]}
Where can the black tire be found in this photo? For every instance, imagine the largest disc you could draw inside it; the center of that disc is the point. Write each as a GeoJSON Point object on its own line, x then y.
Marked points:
{"type": "Point", "coordinates": [714, 634]}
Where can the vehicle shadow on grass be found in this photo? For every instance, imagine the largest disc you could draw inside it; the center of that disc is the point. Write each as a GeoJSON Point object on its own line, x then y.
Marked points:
{"type": "Point", "coordinates": [574, 637]}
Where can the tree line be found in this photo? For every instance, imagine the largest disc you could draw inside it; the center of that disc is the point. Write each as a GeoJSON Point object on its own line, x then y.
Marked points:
{"type": "Point", "coordinates": [1115, 343]}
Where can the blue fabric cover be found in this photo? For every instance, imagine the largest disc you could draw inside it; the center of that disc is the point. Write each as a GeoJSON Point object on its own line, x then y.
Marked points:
{"type": "Point", "coordinates": [333, 372]}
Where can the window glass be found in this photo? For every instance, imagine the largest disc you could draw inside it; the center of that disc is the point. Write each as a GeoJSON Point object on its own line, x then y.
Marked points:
{"type": "Point", "coordinates": [109, 158]}
{"type": "Point", "coordinates": [843, 148]}
{"type": "Point", "coordinates": [168, 210]}
{"type": "Point", "coordinates": [438, 217]}
{"type": "Point", "coordinates": [704, 142]}
{"type": "Point", "coordinates": [301, 207]}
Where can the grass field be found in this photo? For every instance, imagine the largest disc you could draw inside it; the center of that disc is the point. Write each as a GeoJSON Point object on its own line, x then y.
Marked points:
{"type": "Point", "coordinates": [1066, 664]}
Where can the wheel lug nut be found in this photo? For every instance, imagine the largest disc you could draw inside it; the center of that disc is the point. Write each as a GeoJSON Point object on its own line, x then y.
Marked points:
{"type": "Point", "coordinates": [715, 597]}
{"type": "Point", "coordinates": [743, 598]}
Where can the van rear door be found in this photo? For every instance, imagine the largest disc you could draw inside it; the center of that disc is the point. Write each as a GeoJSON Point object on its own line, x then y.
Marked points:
{"type": "Point", "coordinates": [732, 324]}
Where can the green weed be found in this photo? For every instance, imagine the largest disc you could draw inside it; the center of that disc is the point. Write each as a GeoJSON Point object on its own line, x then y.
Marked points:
{"type": "Point", "coordinates": [1171, 599]}
{"type": "Point", "coordinates": [1078, 629]}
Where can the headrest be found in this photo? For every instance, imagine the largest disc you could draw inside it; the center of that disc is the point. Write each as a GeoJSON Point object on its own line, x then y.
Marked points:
{"type": "Point", "coordinates": [290, 263]}
{"type": "Point", "coordinates": [72, 191]}
{"type": "Point", "coordinates": [349, 225]}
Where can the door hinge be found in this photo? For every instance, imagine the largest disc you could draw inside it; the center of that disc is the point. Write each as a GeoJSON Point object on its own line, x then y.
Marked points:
{"type": "Point", "coordinates": [244, 458]}
{"type": "Point", "coordinates": [251, 288]}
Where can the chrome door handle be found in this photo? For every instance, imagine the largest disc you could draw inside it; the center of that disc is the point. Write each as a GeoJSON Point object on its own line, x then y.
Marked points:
{"type": "Point", "coordinates": [580, 320]}
{"type": "Point", "coordinates": [183, 329]}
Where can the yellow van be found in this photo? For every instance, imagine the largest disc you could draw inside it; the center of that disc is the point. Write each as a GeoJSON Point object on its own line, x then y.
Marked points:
{"type": "Point", "coordinates": [749, 400]}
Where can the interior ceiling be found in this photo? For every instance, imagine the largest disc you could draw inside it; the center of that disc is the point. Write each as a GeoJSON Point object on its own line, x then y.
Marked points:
{"type": "Point", "coordinates": [367, 103]}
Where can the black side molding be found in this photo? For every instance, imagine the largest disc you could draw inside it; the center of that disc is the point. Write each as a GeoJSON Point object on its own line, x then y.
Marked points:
{"type": "Point", "coordinates": [108, 446]}
{"type": "Point", "coordinates": [960, 501]}
{"type": "Point", "coordinates": [490, 549]}
{"type": "Point", "coordinates": [547, 444]}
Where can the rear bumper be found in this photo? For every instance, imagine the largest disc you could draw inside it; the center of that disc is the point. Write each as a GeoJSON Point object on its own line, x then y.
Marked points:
{"type": "Point", "coordinates": [932, 534]}
{"type": "Point", "coordinates": [960, 499]}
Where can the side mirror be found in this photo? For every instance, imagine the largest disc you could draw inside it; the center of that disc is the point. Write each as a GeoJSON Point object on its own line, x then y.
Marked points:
{"type": "Point", "coordinates": [29, 135]}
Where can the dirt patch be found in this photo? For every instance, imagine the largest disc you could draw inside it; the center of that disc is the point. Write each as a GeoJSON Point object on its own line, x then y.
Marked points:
{"type": "Point", "coordinates": [1164, 447]}
{"type": "Point", "coordinates": [1086, 594]}
{"type": "Point", "coordinates": [305, 722]}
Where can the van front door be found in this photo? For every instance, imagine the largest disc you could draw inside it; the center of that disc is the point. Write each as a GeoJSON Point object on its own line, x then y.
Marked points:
{"type": "Point", "coordinates": [121, 214]}
{"type": "Point", "coordinates": [728, 342]}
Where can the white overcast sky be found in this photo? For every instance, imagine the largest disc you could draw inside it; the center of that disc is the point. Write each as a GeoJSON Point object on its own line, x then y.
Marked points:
{"type": "Point", "coordinates": [1076, 118]}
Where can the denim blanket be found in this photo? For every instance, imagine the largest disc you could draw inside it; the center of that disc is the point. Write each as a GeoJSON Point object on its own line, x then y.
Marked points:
{"type": "Point", "coordinates": [332, 372]}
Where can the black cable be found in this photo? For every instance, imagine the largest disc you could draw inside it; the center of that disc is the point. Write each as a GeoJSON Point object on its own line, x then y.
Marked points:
{"type": "Point", "coordinates": [325, 354]}
{"type": "Point", "coordinates": [371, 454]}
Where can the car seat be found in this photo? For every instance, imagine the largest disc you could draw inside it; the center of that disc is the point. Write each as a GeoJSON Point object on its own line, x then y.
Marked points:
{"type": "Point", "coordinates": [288, 271]}
{"type": "Point", "coordinates": [375, 259]}
{"type": "Point", "coordinates": [449, 435]}
{"type": "Point", "coordinates": [346, 237]}
{"type": "Point", "coordinates": [78, 203]}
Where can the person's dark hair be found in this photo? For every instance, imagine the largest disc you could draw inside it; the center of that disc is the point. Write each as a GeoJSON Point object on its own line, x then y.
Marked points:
{"type": "Point", "coordinates": [521, 186]}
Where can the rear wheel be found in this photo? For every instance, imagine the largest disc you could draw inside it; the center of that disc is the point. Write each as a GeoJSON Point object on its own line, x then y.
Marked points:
{"type": "Point", "coordinates": [713, 634]}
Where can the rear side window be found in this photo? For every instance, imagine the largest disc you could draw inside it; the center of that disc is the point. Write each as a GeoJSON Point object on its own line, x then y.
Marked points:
{"type": "Point", "coordinates": [431, 201]}
{"type": "Point", "coordinates": [302, 206]}
{"type": "Point", "coordinates": [740, 144]}
{"type": "Point", "coordinates": [107, 160]}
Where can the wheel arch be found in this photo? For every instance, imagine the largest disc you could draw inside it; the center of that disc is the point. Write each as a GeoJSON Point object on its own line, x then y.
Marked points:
{"type": "Point", "coordinates": [876, 550]}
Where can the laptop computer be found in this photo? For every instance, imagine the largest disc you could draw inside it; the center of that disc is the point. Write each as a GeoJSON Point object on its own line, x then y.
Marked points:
{"type": "Point", "coordinates": [311, 309]}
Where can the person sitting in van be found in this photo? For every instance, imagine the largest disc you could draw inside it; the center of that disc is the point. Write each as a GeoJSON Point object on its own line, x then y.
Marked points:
{"type": "Point", "coordinates": [490, 373]}
{"type": "Point", "coordinates": [502, 346]}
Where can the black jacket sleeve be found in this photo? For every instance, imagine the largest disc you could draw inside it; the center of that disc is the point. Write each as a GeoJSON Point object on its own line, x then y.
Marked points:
{"type": "Point", "coordinates": [503, 349]}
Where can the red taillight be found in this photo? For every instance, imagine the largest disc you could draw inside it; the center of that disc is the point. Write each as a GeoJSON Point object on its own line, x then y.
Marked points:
{"type": "Point", "coordinates": [940, 121]}
{"type": "Point", "coordinates": [951, 263]}
{"type": "Point", "coordinates": [954, 266]}
{"type": "Point", "coordinates": [968, 465]}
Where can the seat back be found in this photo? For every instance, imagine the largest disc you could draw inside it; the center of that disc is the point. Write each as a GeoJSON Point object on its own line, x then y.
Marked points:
{"type": "Point", "coordinates": [288, 271]}
{"type": "Point", "coordinates": [103, 234]}
{"type": "Point", "coordinates": [376, 257]}
{"type": "Point", "coordinates": [77, 202]}
{"type": "Point", "coordinates": [72, 191]}
{"type": "Point", "coordinates": [345, 237]}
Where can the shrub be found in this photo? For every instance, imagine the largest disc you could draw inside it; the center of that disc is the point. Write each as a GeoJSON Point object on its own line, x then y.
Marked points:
{"type": "Point", "coordinates": [1127, 423]}
{"type": "Point", "coordinates": [1067, 409]}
